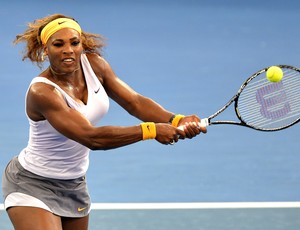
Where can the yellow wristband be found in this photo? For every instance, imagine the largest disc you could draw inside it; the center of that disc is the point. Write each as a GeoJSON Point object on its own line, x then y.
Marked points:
{"type": "Point", "coordinates": [176, 119]}
{"type": "Point", "coordinates": [148, 130]}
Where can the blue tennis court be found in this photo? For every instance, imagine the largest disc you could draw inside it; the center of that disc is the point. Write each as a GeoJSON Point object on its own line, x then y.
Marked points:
{"type": "Point", "coordinates": [191, 57]}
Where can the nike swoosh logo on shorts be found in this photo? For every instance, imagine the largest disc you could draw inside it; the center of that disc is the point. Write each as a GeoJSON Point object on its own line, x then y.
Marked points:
{"type": "Point", "coordinates": [81, 209]}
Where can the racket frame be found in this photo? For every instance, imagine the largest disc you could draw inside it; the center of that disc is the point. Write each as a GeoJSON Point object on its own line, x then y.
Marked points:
{"type": "Point", "coordinates": [208, 121]}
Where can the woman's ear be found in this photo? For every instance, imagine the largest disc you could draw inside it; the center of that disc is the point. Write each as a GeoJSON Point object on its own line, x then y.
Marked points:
{"type": "Point", "coordinates": [45, 50]}
{"type": "Point", "coordinates": [45, 54]}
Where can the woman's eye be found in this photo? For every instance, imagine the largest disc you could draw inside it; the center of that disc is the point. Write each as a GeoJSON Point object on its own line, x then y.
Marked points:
{"type": "Point", "coordinates": [75, 43]}
{"type": "Point", "coordinates": [58, 44]}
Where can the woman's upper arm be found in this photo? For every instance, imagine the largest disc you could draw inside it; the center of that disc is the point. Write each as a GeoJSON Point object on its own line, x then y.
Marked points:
{"type": "Point", "coordinates": [45, 102]}
{"type": "Point", "coordinates": [118, 90]}
{"type": "Point", "coordinates": [137, 105]}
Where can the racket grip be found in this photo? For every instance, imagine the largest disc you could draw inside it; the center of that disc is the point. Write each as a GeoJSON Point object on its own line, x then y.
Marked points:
{"type": "Point", "coordinates": [203, 123]}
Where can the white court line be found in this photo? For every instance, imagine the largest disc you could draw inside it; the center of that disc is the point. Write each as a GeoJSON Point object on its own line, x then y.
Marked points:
{"type": "Point", "coordinates": [202, 205]}
{"type": "Point", "coordinates": [198, 205]}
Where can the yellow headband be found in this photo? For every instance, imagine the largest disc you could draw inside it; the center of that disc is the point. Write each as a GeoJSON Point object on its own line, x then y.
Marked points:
{"type": "Point", "coordinates": [56, 25]}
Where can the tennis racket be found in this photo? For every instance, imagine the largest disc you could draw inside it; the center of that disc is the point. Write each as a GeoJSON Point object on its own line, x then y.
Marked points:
{"type": "Point", "coordinates": [263, 105]}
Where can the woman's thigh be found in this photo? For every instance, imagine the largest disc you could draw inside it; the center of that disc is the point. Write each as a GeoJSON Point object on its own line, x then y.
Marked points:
{"type": "Point", "coordinates": [75, 223]}
{"type": "Point", "coordinates": [32, 218]}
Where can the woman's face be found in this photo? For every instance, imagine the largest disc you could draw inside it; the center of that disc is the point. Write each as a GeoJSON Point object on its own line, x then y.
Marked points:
{"type": "Point", "coordinates": [64, 49]}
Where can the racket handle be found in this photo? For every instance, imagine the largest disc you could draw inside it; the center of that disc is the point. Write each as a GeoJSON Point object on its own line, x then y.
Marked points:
{"type": "Point", "coordinates": [203, 123]}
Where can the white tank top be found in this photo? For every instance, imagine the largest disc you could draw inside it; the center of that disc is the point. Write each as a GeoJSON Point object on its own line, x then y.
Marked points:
{"type": "Point", "coordinates": [51, 154]}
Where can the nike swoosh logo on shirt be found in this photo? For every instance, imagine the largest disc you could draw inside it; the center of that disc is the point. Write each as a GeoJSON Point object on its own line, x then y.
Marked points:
{"type": "Point", "coordinates": [96, 91]}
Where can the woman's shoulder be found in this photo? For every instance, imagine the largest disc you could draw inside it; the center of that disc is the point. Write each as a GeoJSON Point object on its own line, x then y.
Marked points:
{"type": "Point", "coordinates": [99, 65]}
{"type": "Point", "coordinates": [95, 59]}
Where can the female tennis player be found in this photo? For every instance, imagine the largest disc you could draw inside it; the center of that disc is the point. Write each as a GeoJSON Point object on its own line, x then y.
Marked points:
{"type": "Point", "coordinates": [44, 187]}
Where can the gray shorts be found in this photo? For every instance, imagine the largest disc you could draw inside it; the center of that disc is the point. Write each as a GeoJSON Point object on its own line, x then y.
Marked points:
{"type": "Point", "coordinates": [66, 198]}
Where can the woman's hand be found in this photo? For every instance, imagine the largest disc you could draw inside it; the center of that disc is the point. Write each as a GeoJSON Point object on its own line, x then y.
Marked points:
{"type": "Point", "coordinates": [191, 127]}
{"type": "Point", "coordinates": [167, 134]}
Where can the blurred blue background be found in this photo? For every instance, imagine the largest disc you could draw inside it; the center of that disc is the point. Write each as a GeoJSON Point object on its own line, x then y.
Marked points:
{"type": "Point", "coordinates": [191, 57]}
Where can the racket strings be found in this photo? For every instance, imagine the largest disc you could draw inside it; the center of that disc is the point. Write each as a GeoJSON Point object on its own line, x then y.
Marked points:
{"type": "Point", "coordinates": [293, 92]}
{"type": "Point", "coordinates": [277, 113]}
{"type": "Point", "coordinates": [266, 105]}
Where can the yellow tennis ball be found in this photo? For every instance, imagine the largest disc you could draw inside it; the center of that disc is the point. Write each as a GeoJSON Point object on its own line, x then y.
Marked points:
{"type": "Point", "coordinates": [274, 74]}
